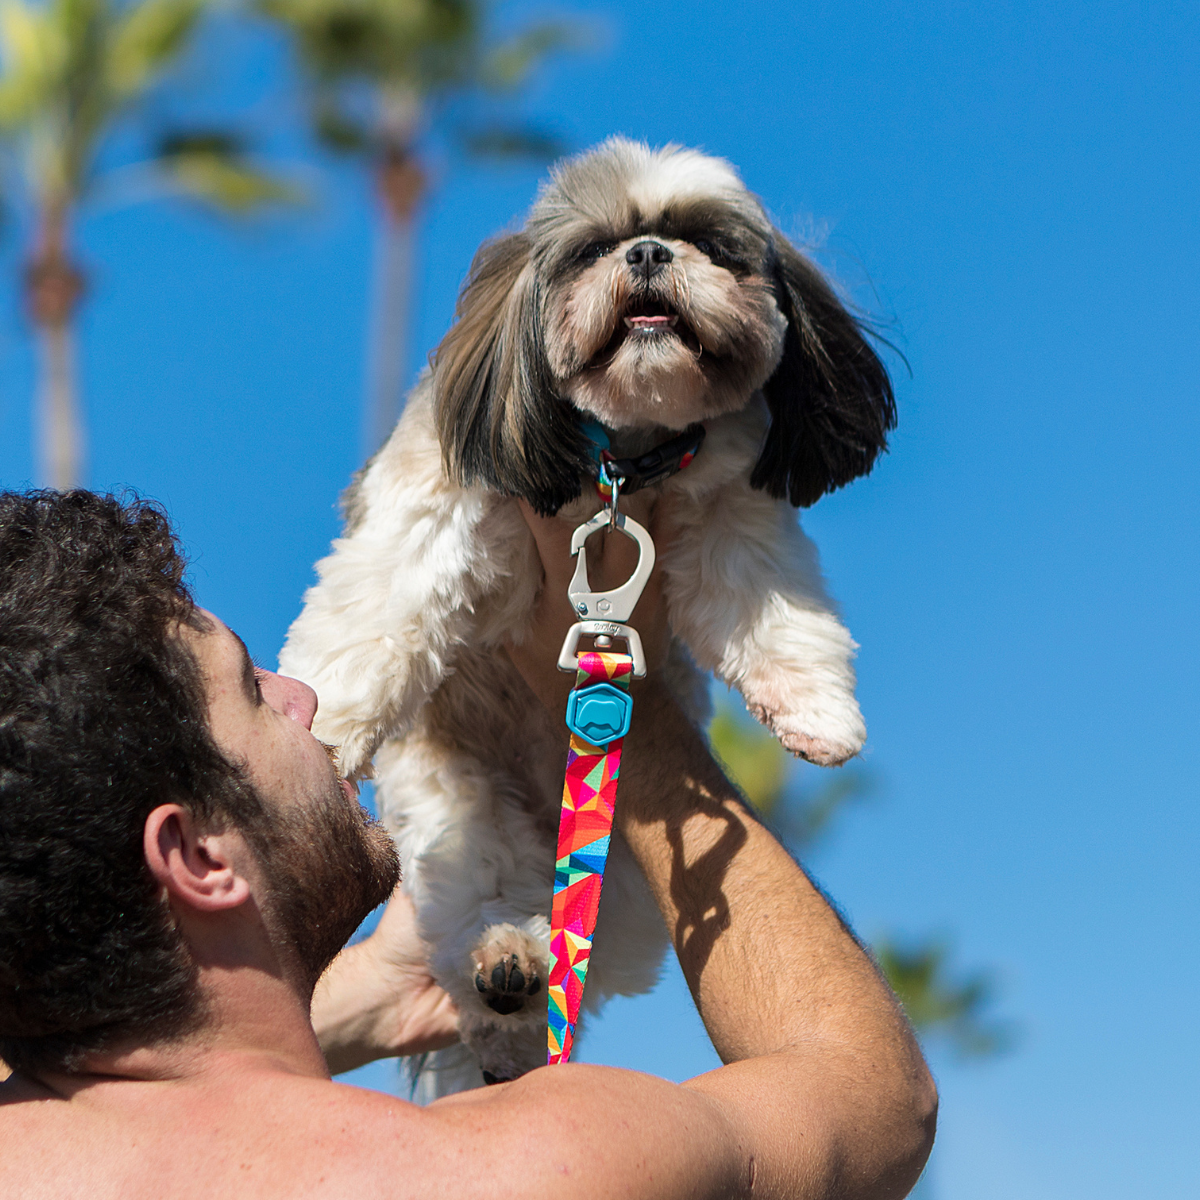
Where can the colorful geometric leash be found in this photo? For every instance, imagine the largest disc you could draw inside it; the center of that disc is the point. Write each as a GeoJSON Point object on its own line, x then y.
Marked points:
{"type": "Point", "coordinates": [601, 706]}
{"type": "Point", "coordinates": [598, 715]}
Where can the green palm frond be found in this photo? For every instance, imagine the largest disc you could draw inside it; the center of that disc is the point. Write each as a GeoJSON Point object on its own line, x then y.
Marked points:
{"type": "Point", "coordinates": [339, 129]}
{"type": "Point", "coordinates": [425, 50]}
{"type": "Point", "coordinates": [34, 57]}
{"type": "Point", "coordinates": [508, 65]}
{"type": "Point", "coordinates": [146, 39]}
{"type": "Point", "coordinates": [71, 67]}
{"type": "Point", "coordinates": [801, 802]}
{"type": "Point", "coordinates": [938, 1004]}
{"type": "Point", "coordinates": [497, 141]}
{"type": "Point", "coordinates": [422, 44]}
{"type": "Point", "coordinates": [212, 166]}
{"type": "Point", "coordinates": [751, 756]}
{"type": "Point", "coordinates": [52, 92]}
{"type": "Point", "coordinates": [941, 1006]}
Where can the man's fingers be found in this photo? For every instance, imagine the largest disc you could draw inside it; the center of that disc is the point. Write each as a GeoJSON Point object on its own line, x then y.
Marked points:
{"type": "Point", "coordinates": [612, 558]}
{"type": "Point", "coordinates": [553, 538]}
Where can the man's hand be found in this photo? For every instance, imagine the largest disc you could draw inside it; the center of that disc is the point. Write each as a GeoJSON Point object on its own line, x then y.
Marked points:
{"type": "Point", "coordinates": [611, 559]}
{"type": "Point", "coordinates": [378, 999]}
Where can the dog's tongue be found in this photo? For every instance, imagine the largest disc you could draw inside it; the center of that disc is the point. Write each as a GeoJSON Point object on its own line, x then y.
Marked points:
{"type": "Point", "coordinates": [650, 322]}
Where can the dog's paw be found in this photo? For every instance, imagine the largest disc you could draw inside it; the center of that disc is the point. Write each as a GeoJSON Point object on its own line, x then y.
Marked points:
{"type": "Point", "coordinates": [508, 970]}
{"type": "Point", "coordinates": [817, 750]}
{"type": "Point", "coordinates": [508, 983]}
{"type": "Point", "coordinates": [827, 743]}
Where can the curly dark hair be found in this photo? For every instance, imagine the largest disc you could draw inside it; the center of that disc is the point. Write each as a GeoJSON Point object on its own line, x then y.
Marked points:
{"type": "Point", "coordinates": [102, 718]}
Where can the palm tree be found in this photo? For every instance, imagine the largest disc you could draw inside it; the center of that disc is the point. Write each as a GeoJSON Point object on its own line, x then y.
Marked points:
{"type": "Point", "coordinates": [73, 69]}
{"type": "Point", "coordinates": [938, 1002]}
{"type": "Point", "coordinates": [381, 71]}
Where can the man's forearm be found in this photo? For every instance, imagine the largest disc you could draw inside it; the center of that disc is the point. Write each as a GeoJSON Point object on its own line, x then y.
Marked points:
{"type": "Point", "coordinates": [773, 970]}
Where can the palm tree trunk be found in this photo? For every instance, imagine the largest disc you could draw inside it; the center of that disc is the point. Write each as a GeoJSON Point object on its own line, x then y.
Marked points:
{"type": "Point", "coordinates": [391, 313]}
{"type": "Point", "coordinates": [400, 184]}
{"type": "Point", "coordinates": [52, 290]}
{"type": "Point", "coordinates": [60, 432]}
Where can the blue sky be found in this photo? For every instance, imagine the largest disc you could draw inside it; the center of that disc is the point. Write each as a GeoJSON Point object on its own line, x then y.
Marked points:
{"type": "Point", "coordinates": [1014, 188]}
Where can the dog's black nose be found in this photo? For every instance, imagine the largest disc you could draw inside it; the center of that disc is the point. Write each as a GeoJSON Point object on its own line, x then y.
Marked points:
{"type": "Point", "coordinates": [648, 257]}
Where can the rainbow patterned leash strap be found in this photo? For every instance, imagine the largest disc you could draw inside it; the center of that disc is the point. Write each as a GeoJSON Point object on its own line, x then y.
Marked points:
{"type": "Point", "coordinates": [599, 712]}
{"type": "Point", "coordinates": [601, 707]}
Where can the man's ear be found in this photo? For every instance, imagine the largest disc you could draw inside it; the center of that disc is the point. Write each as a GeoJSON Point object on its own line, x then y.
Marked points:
{"type": "Point", "coordinates": [830, 397]}
{"type": "Point", "coordinates": [195, 865]}
{"type": "Point", "coordinates": [499, 418]}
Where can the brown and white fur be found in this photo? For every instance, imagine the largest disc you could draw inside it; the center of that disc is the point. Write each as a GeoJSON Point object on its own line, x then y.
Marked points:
{"type": "Point", "coordinates": [647, 290]}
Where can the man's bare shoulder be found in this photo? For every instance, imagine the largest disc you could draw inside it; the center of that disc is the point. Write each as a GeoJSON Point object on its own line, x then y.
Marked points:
{"type": "Point", "coordinates": [594, 1129]}
{"type": "Point", "coordinates": [597, 1130]}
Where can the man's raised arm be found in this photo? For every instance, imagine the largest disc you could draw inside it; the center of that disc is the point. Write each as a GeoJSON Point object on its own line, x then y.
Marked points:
{"type": "Point", "coordinates": [825, 1085]}
{"type": "Point", "coordinates": [824, 1092]}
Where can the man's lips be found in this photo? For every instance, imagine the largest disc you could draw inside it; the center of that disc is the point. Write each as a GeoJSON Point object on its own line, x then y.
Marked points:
{"type": "Point", "coordinates": [350, 790]}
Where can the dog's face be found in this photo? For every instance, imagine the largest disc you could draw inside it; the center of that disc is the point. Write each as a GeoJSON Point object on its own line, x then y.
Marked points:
{"type": "Point", "coordinates": [649, 290]}
{"type": "Point", "coordinates": [658, 307]}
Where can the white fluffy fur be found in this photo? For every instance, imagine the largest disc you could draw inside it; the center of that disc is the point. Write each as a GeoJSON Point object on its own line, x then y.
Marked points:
{"type": "Point", "coordinates": [400, 638]}
{"type": "Point", "coordinates": [416, 599]}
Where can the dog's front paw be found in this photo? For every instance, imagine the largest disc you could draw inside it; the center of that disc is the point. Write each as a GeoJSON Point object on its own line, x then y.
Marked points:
{"type": "Point", "coordinates": [509, 969]}
{"type": "Point", "coordinates": [817, 750]}
{"type": "Point", "coordinates": [828, 735]}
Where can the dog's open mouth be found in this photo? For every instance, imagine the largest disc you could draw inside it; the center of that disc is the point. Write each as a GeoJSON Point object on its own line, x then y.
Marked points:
{"type": "Point", "coordinates": [648, 320]}
{"type": "Point", "coordinates": [650, 317]}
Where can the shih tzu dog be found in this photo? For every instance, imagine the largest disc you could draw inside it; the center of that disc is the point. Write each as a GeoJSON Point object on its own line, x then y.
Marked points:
{"type": "Point", "coordinates": [647, 294]}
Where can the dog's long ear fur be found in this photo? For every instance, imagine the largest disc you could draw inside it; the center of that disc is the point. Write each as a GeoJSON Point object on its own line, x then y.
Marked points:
{"type": "Point", "coordinates": [499, 418]}
{"type": "Point", "coordinates": [830, 398]}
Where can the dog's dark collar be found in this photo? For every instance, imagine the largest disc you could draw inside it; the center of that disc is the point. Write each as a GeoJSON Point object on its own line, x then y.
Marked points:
{"type": "Point", "coordinates": [665, 460]}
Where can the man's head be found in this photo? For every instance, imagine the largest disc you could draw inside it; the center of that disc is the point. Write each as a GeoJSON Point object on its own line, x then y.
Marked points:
{"type": "Point", "coordinates": [137, 746]}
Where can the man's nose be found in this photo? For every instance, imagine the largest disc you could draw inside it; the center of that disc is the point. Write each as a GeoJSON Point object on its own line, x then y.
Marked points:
{"type": "Point", "coordinates": [290, 697]}
{"type": "Point", "coordinates": [648, 257]}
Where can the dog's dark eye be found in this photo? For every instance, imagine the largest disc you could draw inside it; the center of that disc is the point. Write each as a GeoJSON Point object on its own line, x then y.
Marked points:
{"type": "Point", "coordinates": [595, 250]}
{"type": "Point", "coordinates": [705, 247]}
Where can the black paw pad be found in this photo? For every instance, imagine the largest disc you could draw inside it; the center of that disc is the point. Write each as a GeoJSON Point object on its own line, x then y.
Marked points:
{"type": "Point", "coordinates": [508, 986]}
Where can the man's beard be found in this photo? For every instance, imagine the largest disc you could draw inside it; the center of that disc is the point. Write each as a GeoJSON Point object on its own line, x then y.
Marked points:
{"type": "Point", "coordinates": [327, 865]}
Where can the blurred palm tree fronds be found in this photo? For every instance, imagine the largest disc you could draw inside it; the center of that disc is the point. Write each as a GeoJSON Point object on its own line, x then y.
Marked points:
{"type": "Point", "coordinates": [380, 74]}
{"type": "Point", "coordinates": [71, 66]}
{"type": "Point", "coordinates": [150, 35]}
{"type": "Point", "coordinates": [784, 793]}
{"type": "Point", "coordinates": [73, 71]}
{"type": "Point", "coordinates": [496, 141]}
{"type": "Point", "coordinates": [941, 1006]}
{"type": "Point", "coordinates": [423, 43]}
{"type": "Point", "coordinates": [508, 65]}
{"type": "Point", "coordinates": [379, 67]}
{"type": "Point", "coordinates": [426, 46]}
{"type": "Point", "coordinates": [751, 756]}
{"type": "Point", "coordinates": [801, 802]}
{"type": "Point", "coordinates": [213, 166]}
